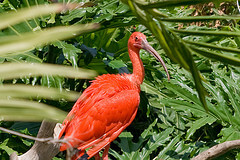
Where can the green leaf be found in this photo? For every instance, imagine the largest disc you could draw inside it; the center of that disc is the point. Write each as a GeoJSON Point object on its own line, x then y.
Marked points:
{"type": "Point", "coordinates": [229, 134]}
{"type": "Point", "coordinates": [27, 143]}
{"type": "Point", "coordinates": [116, 64]}
{"type": "Point", "coordinates": [198, 124]}
{"type": "Point", "coordinates": [29, 41]}
{"type": "Point", "coordinates": [18, 70]}
{"type": "Point", "coordinates": [13, 17]}
{"type": "Point", "coordinates": [213, 46]}
{"type": "Point", "coordinates": [55, 158]}
{"type": "Point", "coordinates": [147, 131]}
{"type": "Point", "coordinates": [21, 110]}
{"type": "Point", "coordinates": [162, 154]}
{"type": "Point", "coordinates": [218, 56]}
{"type": "Point", "coordinates": [186, 53]}
{"type": "Point", "coordinates": [128, 146]}
{"type": "Point", "coordinates": [27, 91]}
{"type": "Point", "coordinates": [104, 17]}
{"type": "Point", "coordinates": [70, 52]}
{"type": "Point", "coordinates": [78, 13]}
{"type": "Point", "coordinates": [181, 105]}
{"type": "Point", "coordinates": [148, 88]}
{"type": "Point", "coordinates": [183, 93]}
{"type": "Point", "coordinates": [208, 33]}
{"type": "Point", "coordinates": [52, 81]}
{"type": "Point", "coordinates": [199, 18]}
{"type": "Point", "coordinates": [155, 141]}
{"type": "Point", "coordinates": [233, 94]}
{"type": "Point", "coordinates": [4, 147]}
{"type": "Point", "coordinates": [169, 3]}
{"type": "Point", "coordinates": [105, 39]}
{"type": "Point", "coordinates": [23, 57]}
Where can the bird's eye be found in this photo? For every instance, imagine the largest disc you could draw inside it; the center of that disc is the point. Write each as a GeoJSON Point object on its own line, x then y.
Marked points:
{"type": "Point", "coordinates": [136, 38]}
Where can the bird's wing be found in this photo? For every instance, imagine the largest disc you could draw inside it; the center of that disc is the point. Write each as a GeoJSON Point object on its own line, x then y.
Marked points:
{"type": "Point", "coordinates": [106, 118]}
{"type": "Point", "coordinates": [69, 117]}
{"type": "Point", "coordinates": [104, 87]}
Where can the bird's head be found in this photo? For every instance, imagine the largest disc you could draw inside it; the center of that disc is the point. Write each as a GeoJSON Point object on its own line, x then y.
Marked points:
{"type": "Point", "coordinates": [138, 41]}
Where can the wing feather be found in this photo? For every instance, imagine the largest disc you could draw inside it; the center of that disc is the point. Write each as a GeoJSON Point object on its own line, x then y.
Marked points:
{"type": "Point", "coordinates": [107, 105]}
{"type": "Point", "coordinates": [103, 119]}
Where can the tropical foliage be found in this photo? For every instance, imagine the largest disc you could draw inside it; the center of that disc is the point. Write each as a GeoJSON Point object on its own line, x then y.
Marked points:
{"type": "Point", "coordinates": [197, 109]}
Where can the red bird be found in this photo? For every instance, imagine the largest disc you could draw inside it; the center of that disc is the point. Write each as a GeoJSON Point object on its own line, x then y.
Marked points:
{"type": "Point", "coordinates": [107, 106]}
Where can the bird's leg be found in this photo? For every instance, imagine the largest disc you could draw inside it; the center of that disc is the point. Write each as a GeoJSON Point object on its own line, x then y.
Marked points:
{"type": "Point", "coordinates": [97, 156]}
{"type": "Point", "coordinates": [105, 152]}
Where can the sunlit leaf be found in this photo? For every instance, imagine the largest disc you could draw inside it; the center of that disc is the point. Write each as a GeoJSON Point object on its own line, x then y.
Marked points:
{"type": "Point", "coordinates": [18, 70]}
{"type": "Point", "coordinates": [29, 41]}
{"type": "Point", "coordinates": [11, 18]}
{"type": "Point", "coordinates": [22, 110]}
{"type": "Point", "coordinates": [27, 91]}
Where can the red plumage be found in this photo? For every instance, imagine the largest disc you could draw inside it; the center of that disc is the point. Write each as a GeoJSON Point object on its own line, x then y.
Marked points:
{"type": "Point", "coordinates": [108, 104]}
{"type": "Point", "coordinates": [105, 108]}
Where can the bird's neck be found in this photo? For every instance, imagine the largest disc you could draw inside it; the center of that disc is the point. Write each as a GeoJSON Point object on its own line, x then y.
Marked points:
{"type": "Point", "coordinates": [138, 69]}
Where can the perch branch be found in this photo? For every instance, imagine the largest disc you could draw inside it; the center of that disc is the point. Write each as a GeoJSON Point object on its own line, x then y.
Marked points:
{"type": "Point", "coordinates": [48, 140]}
{"type": "Point", "coordinates": [46, 144]}
{"type": "Point", "coordinates": [218, 150]}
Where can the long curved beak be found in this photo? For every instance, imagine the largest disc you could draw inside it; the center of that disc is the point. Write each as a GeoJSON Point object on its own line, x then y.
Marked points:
{"type": "Point", "coordinates": [152, 51]}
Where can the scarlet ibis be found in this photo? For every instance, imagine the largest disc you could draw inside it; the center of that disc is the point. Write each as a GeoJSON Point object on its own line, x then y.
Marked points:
{"type": "Point", "coordinates": [107, 106]}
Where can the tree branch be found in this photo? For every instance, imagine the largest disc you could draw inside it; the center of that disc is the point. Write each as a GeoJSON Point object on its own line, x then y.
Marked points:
{"type": "Point", "coordinates": [46, 144]}
{"type": "Point", "coordinates": [49, 139]}
{"type": "Point", "coordinates": [218, 150]}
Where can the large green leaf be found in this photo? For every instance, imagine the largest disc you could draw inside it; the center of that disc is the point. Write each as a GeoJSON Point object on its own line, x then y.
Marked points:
{"type": "Point", "coordinates": [213, 46]}
{"type": "Point", "coordinates": [199, 18]}
{"type": "Point", "coordinates": [181, 105]}
{"type": "Point", "coordinates": [20, 70]}
{"type": "Point", "coordinates": [28, 41]}
{"type": "Point", "coordinates": [170, 3]}
{"type": "Point", "coordinates": [27, 91]}
{"type": "Point", "coordinates": [22, 110]}
{"type": "Point", "coordinates": [13, 17]}
{"type": "Point", "coordinates": [209, 33]}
